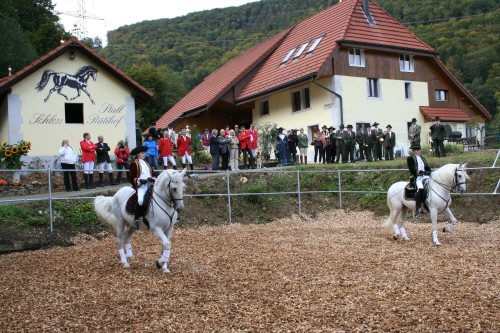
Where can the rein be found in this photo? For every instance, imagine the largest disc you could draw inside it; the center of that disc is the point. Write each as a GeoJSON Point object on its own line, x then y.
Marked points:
{"type": "Point", "coordinates": [447, 188]}
{"type": "Point", "coordinates": [169, 201]}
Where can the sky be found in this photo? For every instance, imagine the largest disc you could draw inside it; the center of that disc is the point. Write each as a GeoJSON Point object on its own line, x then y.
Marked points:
{"type": "Point", "coordinates": [105, 15]}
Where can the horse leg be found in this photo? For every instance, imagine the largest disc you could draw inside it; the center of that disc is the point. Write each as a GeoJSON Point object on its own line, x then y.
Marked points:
{"type": "Point", "coordinates": [119, 241]}
{"type": "Point", "coordinates": [128, 246]}
{"type": "Point", "coordinates": [450, 228]}
{"type": "Point", "coordinates": [433, 213]}
{"type": "Point", "coordinates": [78, 92]}
{"type": "Point", "coordinates": [166, 245]}
{"type": "Point", "coordinates": [60, 93]}
{"type": "Point", "coordinates": [85, 91]}
{"type": "Point", "coordinates": [402, 229]}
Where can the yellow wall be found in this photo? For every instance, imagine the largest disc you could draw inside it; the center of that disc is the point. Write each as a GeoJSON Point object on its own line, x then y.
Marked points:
{"type": "Point", "coordinates": [44, 124]}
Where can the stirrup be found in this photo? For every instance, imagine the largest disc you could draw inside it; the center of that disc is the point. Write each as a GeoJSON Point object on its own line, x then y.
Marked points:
{"type": "Point", "coordinates": [136, 224]}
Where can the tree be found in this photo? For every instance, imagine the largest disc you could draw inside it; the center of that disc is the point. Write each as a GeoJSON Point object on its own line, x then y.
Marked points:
{"type": "Point", "coordinates": [17, 50]}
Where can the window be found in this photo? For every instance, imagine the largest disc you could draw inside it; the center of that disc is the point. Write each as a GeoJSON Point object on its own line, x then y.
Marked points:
{"type": "Point", "coordinates": [408, 90]}
{"type": "Point", "coordinates": [288, 56]}
{"type": "Point", "coordinates": [301, 100]}
{"type": "Point", "coordinates": [299, 52]}
{"type": "Point", "coordinates": [441, 95]}
{"type": "Point", "coordinates": [73, 113]}
{"type": "Point", "coordinates": [406, 63]}
{"type": "Point", "coordinates": [315, 44]}
{"type": "Point", "coordinates": [264, 108]}
{"type": "Point", "coordinates": [373, 88]}
{"type": "Point", "coordinates": [356, 57]}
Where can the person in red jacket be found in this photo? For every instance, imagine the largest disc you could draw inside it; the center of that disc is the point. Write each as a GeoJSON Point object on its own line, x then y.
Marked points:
{"type": "Point", "coordinates": [122, 154]}
{"type": "Point", "coordinates": [165, 149]}
{"type": "Point", "coordinates": [205, 140]}
{"type": "Point", "coordinates": [253, 142]}
{"type": "Point", "coordinates": [184, 149]}
{"type": "Point", "coordinates": [244, 137]}
{"type": "Point", "coordinates": [88, 160]}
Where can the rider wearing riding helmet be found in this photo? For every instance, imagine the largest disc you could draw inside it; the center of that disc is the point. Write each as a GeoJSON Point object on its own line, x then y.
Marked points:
{"type": "Point", "coordinates": [141, 177]}
{"type": "Point", "coordinates": [420, 171]}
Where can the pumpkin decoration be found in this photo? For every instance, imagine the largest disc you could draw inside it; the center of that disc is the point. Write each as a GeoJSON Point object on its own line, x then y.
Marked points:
{"type": "Point", "coordinates": [3, 182]}
{"type": "Point", "coordinates": [16, 182]}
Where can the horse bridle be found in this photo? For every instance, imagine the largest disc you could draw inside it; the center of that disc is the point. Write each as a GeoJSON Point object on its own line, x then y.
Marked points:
{"type": "Point", "coordinates": [455, 181]}
{"type": "Point", "coordinates": [170, 202]}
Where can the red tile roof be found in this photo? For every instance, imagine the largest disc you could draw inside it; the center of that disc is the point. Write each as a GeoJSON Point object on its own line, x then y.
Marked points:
{"type": "Point", "coordinates": [142, 94]}
{"type": "Point", "coordinates": [220, 81]}
{"type": "Point", "coordinates": [445, 114]}
{"type": "Point", "coordinates": [342, 22]}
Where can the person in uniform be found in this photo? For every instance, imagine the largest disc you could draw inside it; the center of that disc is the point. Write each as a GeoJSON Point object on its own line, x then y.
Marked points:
{"type": "Point", "coordinates": [414, 133]}
{"type": "Point", "coordinates": [141, 177]}
{"type": "Point", "coordinates": [420, 171]}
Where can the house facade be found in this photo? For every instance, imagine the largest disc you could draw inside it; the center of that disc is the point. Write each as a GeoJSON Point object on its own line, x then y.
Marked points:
{"type": "Point", "coordinates": [350, 64]}
{"type": "Point", "coordinates": [65, 93]}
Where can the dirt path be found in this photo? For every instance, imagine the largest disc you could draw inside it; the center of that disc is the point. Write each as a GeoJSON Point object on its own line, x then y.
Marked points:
{"type": "Point", "coordinates": [339, 272]}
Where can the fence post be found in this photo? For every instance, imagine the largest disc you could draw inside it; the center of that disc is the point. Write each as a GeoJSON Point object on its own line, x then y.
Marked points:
{"type": "Point", "coordinates": [340, 189]}
{"type": "Point", "coordinates": [50, 201]}
{"type": "Point", "coordinates": [298, 190]}
{"type": "Point", "coordinates": [229, 196]}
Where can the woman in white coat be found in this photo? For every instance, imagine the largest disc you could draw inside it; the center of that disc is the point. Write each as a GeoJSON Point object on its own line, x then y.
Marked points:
{"type": "Point", "coordinates": [68, 159]}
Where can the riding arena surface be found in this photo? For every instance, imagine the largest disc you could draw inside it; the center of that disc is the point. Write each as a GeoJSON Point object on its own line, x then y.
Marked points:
{"type": "Point", "coordinates": [337, 272]}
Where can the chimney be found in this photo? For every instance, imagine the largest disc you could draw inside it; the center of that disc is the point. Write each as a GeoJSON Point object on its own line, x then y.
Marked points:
{"type": "Point", "coordinates": [366, 10]}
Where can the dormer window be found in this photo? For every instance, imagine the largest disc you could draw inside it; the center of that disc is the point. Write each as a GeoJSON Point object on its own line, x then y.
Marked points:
{"type": "Point", "coordinates": [299, 52]}
{"type": "Point", "coordinates": [406, 63]}
{"type": "Point", "coordinates": [315, 44]}
{"type": "Point", "coordinates": [289, 54]}
{"type": "Point", "coordinates": [356, 58]}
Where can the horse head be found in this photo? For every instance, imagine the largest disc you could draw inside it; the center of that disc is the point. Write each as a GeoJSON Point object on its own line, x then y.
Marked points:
{"type": "Point", "coordinates": [175, 188]}
{"type": "Point", "coordinates": [461, 177]}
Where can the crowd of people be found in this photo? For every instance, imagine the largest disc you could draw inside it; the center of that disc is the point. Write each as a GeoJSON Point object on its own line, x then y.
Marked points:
{"type": "Point", "coordinates": [228, 146]}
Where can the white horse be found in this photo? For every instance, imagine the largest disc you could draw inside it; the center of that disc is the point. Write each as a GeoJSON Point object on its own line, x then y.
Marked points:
{"type": "Point", "coordinates": [438, 200]}
{"type": "Point", "coordinates": [166, 200]}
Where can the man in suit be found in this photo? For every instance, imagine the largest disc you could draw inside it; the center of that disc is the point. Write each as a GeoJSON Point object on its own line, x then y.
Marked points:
{"type": "Point", "coordinates": [330, 145]}
{"type": "Point", "coordinates": [368, 145]}
{"type": "Point", "coordinates": [375, 138]}
{"type": "Point", "coordinates": [103, 161]}
{"type": "Point", "coordinates": [349, 145]}
{"type": "Point", "coordinates": [438, 133]}
{"type": "Point", "coordinates": [339, 143]}
{"type": "Point", "coordinates": [389, 143]}
{"type": "Point", "coordinates": [360, 140]}
{"type": "Point", "coordinates": [414, 133]}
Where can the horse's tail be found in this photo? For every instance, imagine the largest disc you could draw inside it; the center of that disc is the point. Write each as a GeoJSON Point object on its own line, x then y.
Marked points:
{"type": "Point", "coordinates": [389, 221]}
{"type": "Point", "coordinates": [104, 210]}
{"type": "Point", "coordinates": [45, 79]}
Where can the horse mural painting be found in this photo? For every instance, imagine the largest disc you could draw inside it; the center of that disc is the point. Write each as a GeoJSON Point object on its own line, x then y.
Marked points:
{"type": "Point", "coordinates": [438, 200]}
{"type": "Point", "coordinates": [165, 203]}
{"type": "Point", "coordinates": [77, 81]}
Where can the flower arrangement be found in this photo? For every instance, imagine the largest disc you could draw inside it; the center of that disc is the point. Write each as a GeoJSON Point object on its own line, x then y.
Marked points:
{"type": "Point", "coordinates": [10, 154]}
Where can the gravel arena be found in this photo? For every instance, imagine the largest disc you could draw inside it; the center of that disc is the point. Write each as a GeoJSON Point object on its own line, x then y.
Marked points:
{"type": "Point", "coordinates": [337, 272]}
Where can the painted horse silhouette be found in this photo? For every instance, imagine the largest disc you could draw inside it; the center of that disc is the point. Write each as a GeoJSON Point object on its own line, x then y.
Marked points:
{"type": "Point", "coordinates": [77, 81]}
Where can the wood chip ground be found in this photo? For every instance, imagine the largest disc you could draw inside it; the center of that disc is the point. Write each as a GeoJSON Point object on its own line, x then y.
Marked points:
{"type": "Point", "coordinates": [338, 272]}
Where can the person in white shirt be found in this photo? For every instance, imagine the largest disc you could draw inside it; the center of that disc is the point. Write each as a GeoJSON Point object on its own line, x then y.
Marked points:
{"type": "Point", "coordinates": [420, 171]}
{"type": "Point", "coordinates": [68, 159]}
{"type": "Point", "coordinates": [141, 178]}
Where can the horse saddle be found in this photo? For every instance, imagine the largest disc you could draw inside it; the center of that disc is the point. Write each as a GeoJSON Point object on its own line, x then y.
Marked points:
{"type": "Point", "coordinates": [410, 191]}
{"type": "Point", "coordinates": [132, 201]}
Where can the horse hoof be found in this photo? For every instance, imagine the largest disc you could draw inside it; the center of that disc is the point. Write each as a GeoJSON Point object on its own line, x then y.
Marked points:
{"type": "Point", "coordinates": [406, 239]}
{"type": "Point", "coordinates": [395, 237]}
{"type": "Point", "coordinates": [166, 270]}
{"type": "Point", "coordinates": [126, 265]}
{"type": "Point", "coordinates": [437, 243]}
{"type": "Point", "coordinates": [159, 264]}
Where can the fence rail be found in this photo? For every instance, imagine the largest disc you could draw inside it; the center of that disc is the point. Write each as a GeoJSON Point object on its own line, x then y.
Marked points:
{"type": "Point", "coordinates": [50, 196]}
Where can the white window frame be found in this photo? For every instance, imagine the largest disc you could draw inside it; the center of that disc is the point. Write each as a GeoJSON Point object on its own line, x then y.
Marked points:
{"type": "Point", "coordinates": [288, 55]}
{"type": "Point", "coordinates": [441, 95]}
{"type": "Point", "coordinates": [301, 50]}
{"type": "Point", "coordinates": [356, 57]}
{"type": "Point", "coordinates": [305, 103]}
{"type": "Point", "coordinates": [373, 87]}
{"type": "Point", "coordinates": [315, 44]}
{"type": "Point", "coordinates": [406, 63]}
{"type": "Point", "coordinates": [408, 91]}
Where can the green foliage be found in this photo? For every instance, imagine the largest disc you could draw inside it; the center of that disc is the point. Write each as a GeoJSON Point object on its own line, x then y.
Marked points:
{"type": "Point", "coordinates": [22, 217]}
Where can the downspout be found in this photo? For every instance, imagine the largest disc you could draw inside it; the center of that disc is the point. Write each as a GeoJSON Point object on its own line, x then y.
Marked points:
{"type": "Point", "coordinates": [333, 92]}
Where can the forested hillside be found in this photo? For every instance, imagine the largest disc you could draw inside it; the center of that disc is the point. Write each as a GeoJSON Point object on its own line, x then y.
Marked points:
{"type": "Point", "coordinates": [463, 32]}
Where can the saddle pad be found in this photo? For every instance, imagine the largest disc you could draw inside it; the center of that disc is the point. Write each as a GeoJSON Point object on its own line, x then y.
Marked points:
{"type": "Point", "coordinates": [130, 206]}
{"type": "Point", "coordinates": [410, 191]}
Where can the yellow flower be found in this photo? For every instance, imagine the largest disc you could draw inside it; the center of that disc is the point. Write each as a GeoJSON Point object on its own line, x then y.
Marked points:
{"type": "Point", "coordinates": [4, 144]}
{"type": "Point", "coordinates": [8, 153]}
{"type": "Point", "coordinates": [14, 150]}
{"type": "Point", "coordinates": [24, 149]}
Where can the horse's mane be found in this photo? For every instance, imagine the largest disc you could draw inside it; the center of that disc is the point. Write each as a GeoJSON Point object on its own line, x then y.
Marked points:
{"type": "Point", "coordinates": [445, 173]}
{"type": "Point", "coordinates": [169, 174]}
{"type": "Point", "coordinates": [85, 69]}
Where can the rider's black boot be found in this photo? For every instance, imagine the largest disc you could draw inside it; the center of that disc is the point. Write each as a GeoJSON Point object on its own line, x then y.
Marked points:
{"type": "Point", "coordinates": [137, 214]}
{"type": "Point", "coordinates": [419, 198]}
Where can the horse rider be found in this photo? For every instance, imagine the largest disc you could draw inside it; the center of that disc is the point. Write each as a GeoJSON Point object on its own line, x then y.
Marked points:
{"type": "Point", "coordinates": [141, 178]}
{"type": "Point", "coordinates": [420, 171]}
